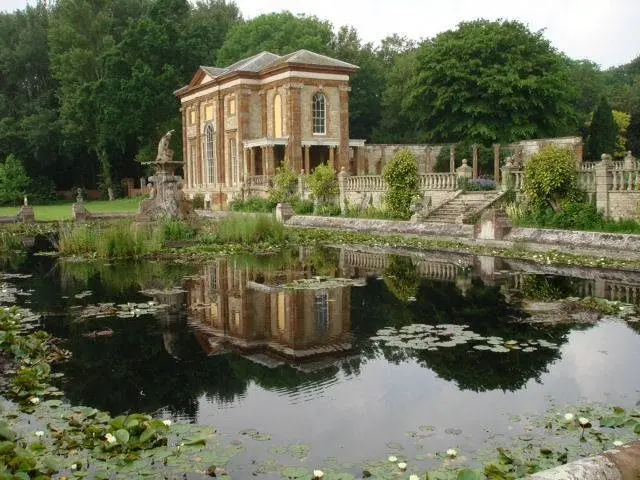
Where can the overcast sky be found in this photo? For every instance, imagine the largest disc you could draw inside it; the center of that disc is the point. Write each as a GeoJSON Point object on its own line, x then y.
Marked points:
{"type": "Point", "coordinates": [605, 31]}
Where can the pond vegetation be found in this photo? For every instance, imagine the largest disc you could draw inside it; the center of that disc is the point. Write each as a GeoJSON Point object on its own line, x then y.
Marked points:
{"type": "Point", "coordinates": [146, 336]}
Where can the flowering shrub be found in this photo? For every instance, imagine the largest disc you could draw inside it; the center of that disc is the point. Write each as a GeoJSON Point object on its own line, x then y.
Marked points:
{"type": "Point", "coordinates": [476, 184]}
{"type": "Point", "coordinates": [401, 177]}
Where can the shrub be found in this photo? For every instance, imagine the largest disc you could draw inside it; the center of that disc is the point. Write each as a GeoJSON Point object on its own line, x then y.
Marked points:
{"type": "Point", "coordinates": [476, 185]}
{"type": "Point", "coordinates": [249, 229]}
{"type": "Point", "coordinates": [323, 184]}
{"type": "Point", "coordinates": [285, 184]}
{"type": "Point", "coordinates": [302, 207]}
{"type": "Point", "coordinates": [14, 181]}
{"type": "Point", "coordinates": [550, 178]}
{"type": "Point", "coordinates": [401, 177]}
{"type": "Point", "coordinates": [256, 205]}
{"type": "Point", "coordinates": [198, 201]}
{"type": "Point", "coordinates": [603, 131]}
{"type": "Point", "coordinates": [328, 210]}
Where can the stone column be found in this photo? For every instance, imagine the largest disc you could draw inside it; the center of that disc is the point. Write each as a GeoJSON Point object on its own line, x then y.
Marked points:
{"type": "Point", "coordinates": [452, 158]}
{"type": "Point", "coordinates": [496, 162]}
{"type": "Point", "coordinates": [197, 177]}
{"type": "Point", "coordinates": [294, 108]}
{"type": "Point", "coordinates": [342, 185]}
{"type": "Point", "coordinates": [271, 167]}
{"type": "Point", "coordinates": [185, 149]}
{"type": "Point", "coordinates": [252, 162]}
{"type": "Point", "coordinates": [264, 160]}
{"type": "Point", "coordinates": [245, 164]}
{"type": "Point", "coordinates": [331, 160]}
{"type": "Point", "coordinates": [604, 180]}
{"type": "Point", "coordinates": [307, 160]}
{"type": "Point", "coordinates": [507, 181]}
{"type": "Point", "coordinates": [343, 149]}
{"type": "Point", "coordinates": [474, 150]}
{"type": "Point", "coordinates": [220, 147]}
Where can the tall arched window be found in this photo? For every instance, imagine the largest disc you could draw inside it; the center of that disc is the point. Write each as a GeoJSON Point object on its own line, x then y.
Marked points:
{"type": "Point", "coordinates": [277, 116]}
{"type": "Point", "coordinates": [210, 145]}
{"type": "Point", "coordinates": [319, 114]}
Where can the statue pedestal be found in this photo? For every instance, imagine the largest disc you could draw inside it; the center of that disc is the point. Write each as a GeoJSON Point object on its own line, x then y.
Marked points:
{"type": "Point", "coordinates": [166, 200]}
{"type": "Point", "coordinates": [26, 214]}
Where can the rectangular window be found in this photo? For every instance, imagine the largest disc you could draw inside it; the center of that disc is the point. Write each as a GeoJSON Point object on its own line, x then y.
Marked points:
{"type": "Point", "coordinates": [208, 113]}
{"type": "Point", "coordinates": [232, 106]}
{"type": "Point", "coordinates": [192, 117]}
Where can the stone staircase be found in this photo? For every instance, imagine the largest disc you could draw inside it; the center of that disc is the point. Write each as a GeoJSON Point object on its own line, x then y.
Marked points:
{"type": "Point", "coordinates": [463, 205]}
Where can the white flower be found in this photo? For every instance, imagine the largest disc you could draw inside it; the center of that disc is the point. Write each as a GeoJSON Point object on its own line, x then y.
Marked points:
{"type": "Point", "coordinates": [452, 453]}
{"type": "Point", "coordinates": [39, 433]}
{"type": "Point", "coordinates": [414, 477]}
{"type": "Point", "coordinates": [110, 438]}
{"type": "Point", "coordinates": [74, 466]}
{"type": "Point", "coordinates": [318, 474]}
{"type": "Point", "coordinates": [393, 458]}
{"type": "Point", "coordinates": [618, 443]}
{"type": "Point", "coordinates": [402, 466]}
{"type": "Point", "coordinates": [568, 417]}
{"type": "Point", "coordinates": [34, 400]}
{"type": "Point", "coordinates": [583, 421]}
{"type": "Point", "coordinates": [167, 422]}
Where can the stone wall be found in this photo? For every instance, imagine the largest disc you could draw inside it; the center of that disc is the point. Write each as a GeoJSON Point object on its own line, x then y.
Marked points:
{"type": "Point", "coordinates": [624, 205]}
{"type": "Point", "coordinates": [378, 155]}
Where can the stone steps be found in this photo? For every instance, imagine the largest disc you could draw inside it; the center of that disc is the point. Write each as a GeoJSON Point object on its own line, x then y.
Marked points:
{"type": "Point", "coordinates": [464, 204]}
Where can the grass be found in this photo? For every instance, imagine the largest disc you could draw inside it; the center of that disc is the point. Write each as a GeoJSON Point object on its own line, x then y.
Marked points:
{"type": "Point", "coordinates": [248, 229]}
{"type": "Point", "coordinates": [62, 211]}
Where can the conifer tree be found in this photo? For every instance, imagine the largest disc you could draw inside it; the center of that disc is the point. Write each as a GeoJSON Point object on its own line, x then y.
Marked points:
{"type": "Point", "coordinates": [602, 131]}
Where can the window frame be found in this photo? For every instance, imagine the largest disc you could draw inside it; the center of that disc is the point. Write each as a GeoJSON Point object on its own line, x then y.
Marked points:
{"type": "Point", "coordinates": [319, 113]}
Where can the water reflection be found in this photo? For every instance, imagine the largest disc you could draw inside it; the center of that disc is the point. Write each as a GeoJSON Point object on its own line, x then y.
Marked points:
{"type": "Point", "coordinates": [242, 335]}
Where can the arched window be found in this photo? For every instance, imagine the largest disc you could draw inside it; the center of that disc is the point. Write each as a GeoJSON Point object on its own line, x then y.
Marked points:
{"type": "Point", "coordinates": [210, 145]}
{"type": "Point", "coordinates": [277, 116]}
{"type": "Point", "coordinates": [319, 114]}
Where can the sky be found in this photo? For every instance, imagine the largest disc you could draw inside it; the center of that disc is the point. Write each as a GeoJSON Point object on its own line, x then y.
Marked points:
{"type": "Point", "coordinates": [604, 31]}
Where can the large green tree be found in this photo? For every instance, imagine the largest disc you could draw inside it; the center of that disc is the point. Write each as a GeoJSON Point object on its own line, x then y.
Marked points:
{"type": "Point", "coordinates": [490, 81]}
{"type": "Point", "coordinates": [603, 131]}
{"type": "Point", "coordinates": [279, 33]}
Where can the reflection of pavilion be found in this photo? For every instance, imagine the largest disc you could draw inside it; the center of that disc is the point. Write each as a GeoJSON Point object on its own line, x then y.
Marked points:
{"type": "Point", "coordinates": [246, 311]}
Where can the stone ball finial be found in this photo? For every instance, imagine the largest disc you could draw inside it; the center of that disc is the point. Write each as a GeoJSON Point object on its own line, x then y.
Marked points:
{"type": "Point", "coordinates": [465, 161]}
{"type": "Point", "coordinates": [26, 202]}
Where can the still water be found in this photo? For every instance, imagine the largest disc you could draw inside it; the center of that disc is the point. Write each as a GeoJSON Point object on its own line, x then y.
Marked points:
{"type": "Point", "coordinates": [358, 354]}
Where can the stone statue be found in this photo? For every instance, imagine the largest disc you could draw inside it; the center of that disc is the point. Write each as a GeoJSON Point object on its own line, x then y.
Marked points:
{"type": "Point", "coordinates": [165, 154]}
{"type": "Point", "coordinates": [152, 191]}
{"type": "Point", "coordinates": [79, 198]}
{"type": "Point", "coordinates": [25, 202]}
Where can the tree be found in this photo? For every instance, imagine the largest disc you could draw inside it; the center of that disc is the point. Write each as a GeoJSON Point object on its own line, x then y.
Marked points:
{"type": "Point", "coordinates": [588, 82]}
{"type": "Point", "coordinates": [602, 131]}
{"type": "Point", "coordinates": [14, 180]}
{"type": "Point", "coordinates": [401, 177]}
{"type": "Point", "coordinates": [490, 82]}
{"type": "Point", "coordinates": [622, 121]}
{"type": "Point", "coordinates": [278, 33]}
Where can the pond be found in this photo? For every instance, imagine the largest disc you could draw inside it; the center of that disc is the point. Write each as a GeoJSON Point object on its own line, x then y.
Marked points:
{"type": "Point", "coordinates": [345, 354]}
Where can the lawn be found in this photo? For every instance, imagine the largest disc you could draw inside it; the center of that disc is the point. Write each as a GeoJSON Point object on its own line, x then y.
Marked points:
{"type": "Point", "coordinates": [62, 211]}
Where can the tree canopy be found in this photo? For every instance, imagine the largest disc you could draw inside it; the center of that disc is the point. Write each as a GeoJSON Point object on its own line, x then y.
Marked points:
{"type": "Point", "coordinates": [490, 81]}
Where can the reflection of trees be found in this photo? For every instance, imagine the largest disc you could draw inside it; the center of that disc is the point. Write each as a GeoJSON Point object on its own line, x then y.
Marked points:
{"type": "Point", "coordinates": [132, 370]}
{"type": "Point", "coordinates": [402, 277]}
{"type": "Point", "coordinates": [547, 288]}
{"type": "Point", "coordinates": [483, 308]}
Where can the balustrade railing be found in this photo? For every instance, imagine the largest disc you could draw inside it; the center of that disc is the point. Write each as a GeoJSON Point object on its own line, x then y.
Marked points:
{"type": "Point", "coordinates": [588, 165]}
{"type": "Point", "coordinates": [587, 180]}
{"type": "Point", "coordinates": [625, 180]}
{"type": "Point", "coordinates": [518, 180]}
{"type": "Point", "coordinates": [439, 181]}
{"type": "Point", "coordinates": [365, 183]}
{"type": "Point", "coordinates": [259, 181]}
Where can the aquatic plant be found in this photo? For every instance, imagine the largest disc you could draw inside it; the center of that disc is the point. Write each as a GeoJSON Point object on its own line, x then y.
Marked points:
{"type": "Point", "coordinates": [248, 229]}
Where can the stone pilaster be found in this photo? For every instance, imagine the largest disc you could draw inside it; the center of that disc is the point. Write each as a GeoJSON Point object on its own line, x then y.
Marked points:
{"type": "Point", "coordinates": [343, 149]}
{"type": "Point", "coordinates": [342, 185]}
{"type": "Point", "coordinates": [604, 180]}
{"type": "Point", "coordinates": [220, 146]}
{"type": "Point", "coordinates": [294, 107]}
{"type": "Point", "coordinates": [474, 153]}
{"type": "Point", "coordinates": [452, 158]}
{"type": "Point", "coordinates": [496, 162]}
{"type": "Point", "coordinates": [199, 177]}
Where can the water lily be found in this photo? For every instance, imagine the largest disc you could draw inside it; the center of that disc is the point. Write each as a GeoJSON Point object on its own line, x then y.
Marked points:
{"type": "Point", "coordinates": [402, 466]}
{"type": "Point", "coordinates": [568, 417]}
{"type": "Point", "coordinates": [74, 466]}
{"type": "Point", "coordinates": [39, 433]}
{"type": "Point", "coordinates": [584, 422]}
{"type": "Point", "coordinates": [393, 458]}
{"type": "Point", "coordinates": [110, 438]}
{"type": "Point", "coordinates": [414, 477]}
{"type": "Point", "coordinates": [618, 443]}
{"type": "Point", "coordinates": [167, 422]}
{"type": "Point", "coordinates": [452, 452]}
{"type": "Point", "coordinates": [34, 400]}
{"type": "Point", "coordinates": [318, 474]}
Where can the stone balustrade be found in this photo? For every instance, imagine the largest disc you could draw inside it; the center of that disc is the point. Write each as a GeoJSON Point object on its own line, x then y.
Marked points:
{"type": "Point", "coordinates": [439, 181]}
{"type": "Point", "coordinates": [625, 180]}
{"type": "Point", "coordinates": [365, 183]}
{"type": "Point", "coordinates": [259, 181]}
{"type": "Point", "coordinates": [587, 180]}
